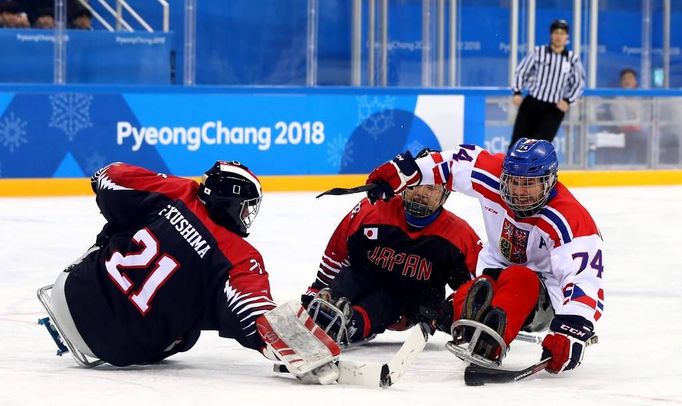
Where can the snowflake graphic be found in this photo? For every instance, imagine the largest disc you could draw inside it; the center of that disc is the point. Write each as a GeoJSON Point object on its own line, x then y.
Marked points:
{"type": "Point", "coordinates": [415, 146]}
{"type": "Point", "coordinates": [375, 115]}
{"type": "Point", "coordinates": [13, 132]}
{"type": "Point", "coordinates": [70, 112]}
{"type": "Point", "coordinates": [339, 153]}
{"type": "Point", "coordinates": [94, 162]}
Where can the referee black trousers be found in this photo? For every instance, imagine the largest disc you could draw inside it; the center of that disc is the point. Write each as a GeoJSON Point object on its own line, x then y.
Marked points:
{"type": "Point", "coordinates": [537, 119]}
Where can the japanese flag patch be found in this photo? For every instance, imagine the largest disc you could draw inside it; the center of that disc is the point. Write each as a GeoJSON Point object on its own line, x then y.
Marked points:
{"type": "Point", "coordinates": [371, 233]}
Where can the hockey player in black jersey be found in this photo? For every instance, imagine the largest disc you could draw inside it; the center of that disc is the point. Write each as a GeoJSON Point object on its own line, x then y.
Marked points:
{"type": "Point", "coordinates": [171, 261]}
{"type": "Point", "coordinates": [386, 263]}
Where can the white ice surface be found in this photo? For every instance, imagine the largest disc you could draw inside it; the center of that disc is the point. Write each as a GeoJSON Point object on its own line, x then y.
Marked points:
{"type": "Point", "coordinates": [636, 362]}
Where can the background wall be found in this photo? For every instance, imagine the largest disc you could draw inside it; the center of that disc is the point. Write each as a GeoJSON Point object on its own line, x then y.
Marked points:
{"type": "Point", "coordinates": [263, 42]}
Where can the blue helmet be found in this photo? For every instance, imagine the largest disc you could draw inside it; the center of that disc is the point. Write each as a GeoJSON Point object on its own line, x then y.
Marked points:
{"type": "Point", "coordinates": [529, 173]}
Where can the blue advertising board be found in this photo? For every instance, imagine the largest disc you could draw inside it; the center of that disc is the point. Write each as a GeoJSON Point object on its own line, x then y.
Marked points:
{"type": "Point", "coordinates": [62, 133]}
{"type": "Point", "coordinates": [91, 57]}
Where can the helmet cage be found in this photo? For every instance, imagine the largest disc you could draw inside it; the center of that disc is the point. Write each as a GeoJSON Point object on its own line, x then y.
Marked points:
{"type": "Point", "coordinates": [418, 208]}
{"type": "Point", "coordinates": [249, 210]}
{"type": "Point", "coordinates": [517, 193]}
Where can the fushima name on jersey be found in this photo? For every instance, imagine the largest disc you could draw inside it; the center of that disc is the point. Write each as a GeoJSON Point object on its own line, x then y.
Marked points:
{"type": "Point", "coordinates": [186, 230]}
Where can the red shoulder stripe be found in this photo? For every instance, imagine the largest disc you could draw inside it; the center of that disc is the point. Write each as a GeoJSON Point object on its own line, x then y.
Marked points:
{"type": "Point", "coordinates": [543, 225]}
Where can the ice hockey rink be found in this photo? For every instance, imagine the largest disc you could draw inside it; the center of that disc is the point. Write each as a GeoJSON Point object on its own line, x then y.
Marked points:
{"type": "Point", "coordinates": [637, 362]}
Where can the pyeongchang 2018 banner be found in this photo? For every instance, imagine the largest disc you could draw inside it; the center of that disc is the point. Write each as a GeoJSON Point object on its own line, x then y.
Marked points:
{"type": "Point", "coordinates": [294, 133]}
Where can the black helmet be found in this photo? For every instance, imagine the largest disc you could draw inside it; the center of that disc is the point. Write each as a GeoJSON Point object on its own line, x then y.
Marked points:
{"type": "Point", "coordinates": [232, 195]}
{"type": "Point", "coordinates": [414, 204]}
{"type": "Point", "coordinates": [559, 25]}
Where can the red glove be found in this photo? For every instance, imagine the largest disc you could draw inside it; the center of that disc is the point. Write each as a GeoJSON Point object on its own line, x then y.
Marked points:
{"type": "Point", "coordinates": [393, 177]}
{"type": "Point", "coordinates": [567, 344]}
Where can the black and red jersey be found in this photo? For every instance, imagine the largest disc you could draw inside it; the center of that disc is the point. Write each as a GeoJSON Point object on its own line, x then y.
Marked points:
{"type": "Point", "coordinates": [376, 247]}
{"type": "Point", "coordinates": [164, 272]}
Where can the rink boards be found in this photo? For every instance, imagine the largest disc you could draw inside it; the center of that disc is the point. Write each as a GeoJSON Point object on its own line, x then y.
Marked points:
{"type": "Point", "coordinates": [81, 186]}
{"type": "Point", "coordinates": [52, 138]}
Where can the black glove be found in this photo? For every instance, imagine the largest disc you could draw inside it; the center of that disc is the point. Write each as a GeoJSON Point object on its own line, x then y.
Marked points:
{"type": "Point", "coordinates": [566, 343]}
{"type": "Point", "coordinates": [439, 318]}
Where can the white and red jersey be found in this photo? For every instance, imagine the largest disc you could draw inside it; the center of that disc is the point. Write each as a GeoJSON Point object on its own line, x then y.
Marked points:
{"type": "Point", "coordinates": [561, 243]}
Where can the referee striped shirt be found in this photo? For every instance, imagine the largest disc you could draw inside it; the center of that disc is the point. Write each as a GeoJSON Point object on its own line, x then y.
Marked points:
{"type": "Point", "coordinates": [550, 76]}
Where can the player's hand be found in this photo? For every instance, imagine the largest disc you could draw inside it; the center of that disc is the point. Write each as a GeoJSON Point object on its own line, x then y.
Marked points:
{"type": "Point", "coordinates": [517, 99]}
{"type": "Point", "coordinates": [439, 318]}
{"type": "Point", "coordinates": [393, 177]}
{"type": "Point", "coordinates": [566, 343]}
{"type": "Point", "coordinates": [562, 105]}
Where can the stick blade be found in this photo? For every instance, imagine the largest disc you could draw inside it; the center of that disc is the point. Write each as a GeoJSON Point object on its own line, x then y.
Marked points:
{"type": "Point", "coordinates": [475, 375]}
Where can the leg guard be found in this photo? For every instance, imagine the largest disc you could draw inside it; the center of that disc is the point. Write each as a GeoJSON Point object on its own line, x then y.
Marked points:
{"type": "Point", "coordinates": [472, 302]}
{"type": "Point", "coordinates": [294, 338]}
{"type": "Point", "coordinates": [480, 325]}
{"type": "Point", "coordinates": [478, 299]}
{"type": "Point", "coordinates": [488, 345]}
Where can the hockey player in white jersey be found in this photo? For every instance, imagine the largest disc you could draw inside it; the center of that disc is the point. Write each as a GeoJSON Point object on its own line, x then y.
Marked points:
{"type": "Point", "coordinates": [543, 264]}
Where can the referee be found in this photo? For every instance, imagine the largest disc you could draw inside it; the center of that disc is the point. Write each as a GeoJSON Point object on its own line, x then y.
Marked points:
{"type": "Point", "coordinates": [555, 79]}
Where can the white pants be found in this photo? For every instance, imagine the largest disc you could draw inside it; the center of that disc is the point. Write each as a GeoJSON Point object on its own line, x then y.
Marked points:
{"type": "Point", "coordinates": [61, 312]}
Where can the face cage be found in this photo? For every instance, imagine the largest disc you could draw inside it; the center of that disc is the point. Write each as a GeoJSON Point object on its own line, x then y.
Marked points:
{"type": "Point", "coordinates": [530, 208]}
{"type": "Point", "coordinates": [249, 211]}
{"type": "Point", "coordinates": [420, 210]}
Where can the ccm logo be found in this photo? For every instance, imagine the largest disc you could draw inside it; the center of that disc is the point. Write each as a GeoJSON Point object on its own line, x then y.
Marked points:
{"type": "Point", "coordinates": [572, 330]}
{"type": "Point", "coordinates": [490, 209]}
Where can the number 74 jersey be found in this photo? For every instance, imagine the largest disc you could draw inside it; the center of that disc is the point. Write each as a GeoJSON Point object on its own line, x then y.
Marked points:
{"type": "Point", "coordinates": [561, 243]}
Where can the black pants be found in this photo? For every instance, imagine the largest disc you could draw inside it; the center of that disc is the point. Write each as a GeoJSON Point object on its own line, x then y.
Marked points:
{"type": "Point", "coordinates": [536, 119]}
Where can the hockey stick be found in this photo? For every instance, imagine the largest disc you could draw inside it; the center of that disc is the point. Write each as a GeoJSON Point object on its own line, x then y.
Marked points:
{"type": "Point", "coordinates": [380, 375]}
{"type": "Point", "coordinates": [476, 375]}
{"type": "Point", "coordinates": [339, 191]}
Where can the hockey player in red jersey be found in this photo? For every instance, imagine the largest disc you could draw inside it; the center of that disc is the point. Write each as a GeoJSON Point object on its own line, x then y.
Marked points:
{"type": "Point", "coordinates": [386, 264]}
{"type": "Point", "coordinates": [172, 261]}
{"type": "Point", "coordinates": [543, 264]}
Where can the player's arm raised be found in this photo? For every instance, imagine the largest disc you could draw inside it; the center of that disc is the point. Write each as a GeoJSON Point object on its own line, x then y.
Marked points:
{"type": "Point", "coordinates": [452, 168]}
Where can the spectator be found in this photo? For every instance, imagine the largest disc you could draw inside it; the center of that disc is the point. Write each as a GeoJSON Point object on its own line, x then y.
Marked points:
{"type": "Point", "coordinates": [626, 112]}
{"type": "Point", "coordinates": [22, 21]}
{"type": "Point", "coordinates": [11, 15]}
{"type": "Point", "coordinates": [555, 79]}
{"type": "Point", "coordinates": [44, 18]}
{"type": "Point", "coordinates": [80, 18]}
